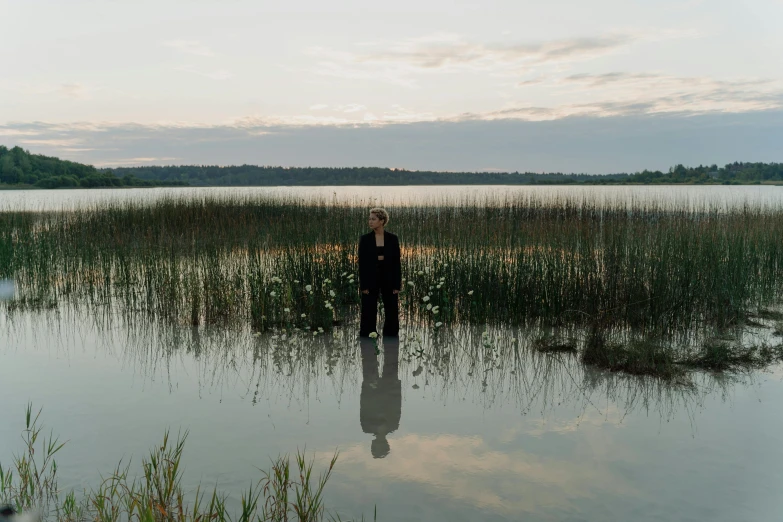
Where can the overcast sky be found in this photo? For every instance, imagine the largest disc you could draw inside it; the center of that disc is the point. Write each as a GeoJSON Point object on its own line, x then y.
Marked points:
{"type": "Point", "coordinates": [600, 86]}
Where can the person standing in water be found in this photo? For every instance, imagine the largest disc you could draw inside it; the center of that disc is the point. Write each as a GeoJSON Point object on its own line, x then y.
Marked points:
{"type": "Point", "coordinates": [379, 273]}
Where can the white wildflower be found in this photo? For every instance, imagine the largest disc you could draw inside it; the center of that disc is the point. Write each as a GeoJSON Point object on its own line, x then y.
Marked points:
{"type": "Point", "coordinates": [429, 306]}
{"type": "Point", "coordinates": [320, 329]}
{"type": "Point", "coordinates": [470, 292]}
{"type": "Point", "coordinates": [273, 293]}
{"type": "Point", "coordinates": [435, 312]}
{"type": "Point", "coordinates": [373, 335]}
{"type": "Point", "coordinates": [420, 272]}
{"type": "Point", "coordinates": [286, 310]}
{"type": "Point", "coordinates": [410, 283]}
{"type": "Point", "coordinates": [438, 324]}
{"type": "Point", "coordinates": [438, 287]}
{"type": "Point", "coordinates": [425, 298]}
{"type": "Point", "coordinates": [343, 274]}
{"type": "Point", "coordinates": [308, 287]}
{"type": "Point", "coordinates": [331, 293]}
{"type": "Point", "coordinates": [303, 316]}
{"type": "Point", "coordinates": [296, 280]}
{"type": "Point", "coordinates": [445, 265]}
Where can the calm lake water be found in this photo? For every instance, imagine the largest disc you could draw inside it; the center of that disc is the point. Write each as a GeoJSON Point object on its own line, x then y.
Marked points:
{"type": "Point", "coordinates": [507, 437]}
{"type": "Point", "coordinates": [401, 195]}
{"type": "Point", "coordinates": [440, 435]}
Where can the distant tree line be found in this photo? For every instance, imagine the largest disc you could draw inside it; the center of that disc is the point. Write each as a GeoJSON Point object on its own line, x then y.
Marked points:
{"type": "Point", "coordinates": [731, 174]}
{"type": "Point", "coordinates": [20, 168]}
{"type": "Point", "coordinates": [244, 175]}
{"type": "Point", "coordinates": [253, 175]}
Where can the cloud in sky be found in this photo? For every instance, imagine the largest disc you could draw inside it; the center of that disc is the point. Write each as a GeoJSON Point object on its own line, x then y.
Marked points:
{"type": "Point", "coordinates": [396, 61]}
{"type": "Point", "coordinates": [190, 47]}
{"type": "Point", "coordinates": [627, 143]}
{"type": "Point", "coordinates": [444, 51]}
{"type": "Point", "coordinates": [618, 93]}
{"type": "Point", "coordinates": [73, 90]}
{"type": "Point", "coordinates": [219, 74]}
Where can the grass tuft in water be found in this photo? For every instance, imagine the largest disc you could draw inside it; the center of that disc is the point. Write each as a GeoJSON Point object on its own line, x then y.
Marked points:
{"type": "Point", "coordinates": [636, 356]}
{"type": "Point", "coordinates": [718, 355]}
{"type": "Point", "coordinates": [554, 344]}
{"type": "Point", "coordinates": [288, 492]}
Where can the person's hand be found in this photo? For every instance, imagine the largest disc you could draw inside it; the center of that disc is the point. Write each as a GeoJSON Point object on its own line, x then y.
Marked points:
{"type": "Point", "coordinates": [365, 291]}
{"type": "Point", "coordinates": [395, 291]}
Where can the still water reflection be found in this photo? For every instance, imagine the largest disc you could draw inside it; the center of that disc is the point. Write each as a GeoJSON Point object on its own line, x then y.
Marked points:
{"type": "Point", "coordinates": [380, 403]}
{"type": "Point", "coordinates": [467, 429]}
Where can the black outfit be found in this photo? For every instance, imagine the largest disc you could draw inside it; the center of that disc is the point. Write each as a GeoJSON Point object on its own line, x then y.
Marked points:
{"type": "Point", "coordinates": [380, 402]}
{"type": "Point", "coordinates": [379, 277]}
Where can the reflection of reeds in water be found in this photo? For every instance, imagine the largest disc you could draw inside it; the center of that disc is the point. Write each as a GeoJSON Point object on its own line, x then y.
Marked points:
{"type": "Point", "coordinates": [287, 263]}
{"type": "Point", "coordinates": [492, 367]}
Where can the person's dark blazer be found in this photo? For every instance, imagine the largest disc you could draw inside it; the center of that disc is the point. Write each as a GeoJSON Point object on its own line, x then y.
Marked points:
{"type": "Point", "coordinates": [368, 257]}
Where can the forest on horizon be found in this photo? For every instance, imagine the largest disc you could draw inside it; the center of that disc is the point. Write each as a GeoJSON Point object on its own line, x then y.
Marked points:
{"type": "Point", "coordinates": [21, 169]}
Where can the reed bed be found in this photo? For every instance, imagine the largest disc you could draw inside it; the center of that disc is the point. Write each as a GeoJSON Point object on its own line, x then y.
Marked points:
{"type": "Point", "coordinates": [561, 261]}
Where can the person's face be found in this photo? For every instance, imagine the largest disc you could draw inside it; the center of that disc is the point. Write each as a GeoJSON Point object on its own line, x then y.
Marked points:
{"type": "Point", "coordinates": [374, 222]}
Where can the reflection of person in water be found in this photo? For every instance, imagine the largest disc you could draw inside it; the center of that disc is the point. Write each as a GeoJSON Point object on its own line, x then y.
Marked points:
{"type": "Point", "coordinates": [380, 404]}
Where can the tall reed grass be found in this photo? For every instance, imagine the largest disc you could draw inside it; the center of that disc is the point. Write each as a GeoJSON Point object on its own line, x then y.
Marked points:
{"type": "Point", "coordinates": [562, 261]}
{"type": "Point", "coordinates": [287, 492]}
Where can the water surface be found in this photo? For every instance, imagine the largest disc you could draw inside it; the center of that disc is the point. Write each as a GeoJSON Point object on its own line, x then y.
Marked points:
{"type": "Point", "coordinates": [500, 434]}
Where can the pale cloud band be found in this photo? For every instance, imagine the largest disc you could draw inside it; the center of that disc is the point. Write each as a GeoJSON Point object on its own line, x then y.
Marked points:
{"type": "Point", "coordinates": [573, 144]}
{"type": "Point", "coordinates": [190, 47]}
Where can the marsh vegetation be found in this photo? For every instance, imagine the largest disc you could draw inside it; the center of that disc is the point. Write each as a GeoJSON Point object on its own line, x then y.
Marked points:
{"type": "Point", "coordinates": [282, 265]}
{"type": "Point", "coordinates": [287, 491]}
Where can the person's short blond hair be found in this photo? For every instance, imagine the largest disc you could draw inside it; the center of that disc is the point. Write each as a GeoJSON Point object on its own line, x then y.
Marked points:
{"type": "Point", "coordinates": [381, 214]}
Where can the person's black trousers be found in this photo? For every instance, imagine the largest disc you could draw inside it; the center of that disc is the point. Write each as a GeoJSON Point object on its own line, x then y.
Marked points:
{"type": "Point", "coordinates": [391, 322]}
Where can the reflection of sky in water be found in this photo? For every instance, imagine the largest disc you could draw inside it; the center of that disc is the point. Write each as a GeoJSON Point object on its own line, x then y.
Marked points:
{"type": "Point", "coordinates": [399, 195]}
{"type": "Point", "coordinates": [552, 441]}
{"type": "Point", "coordinates": [7, 289]}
